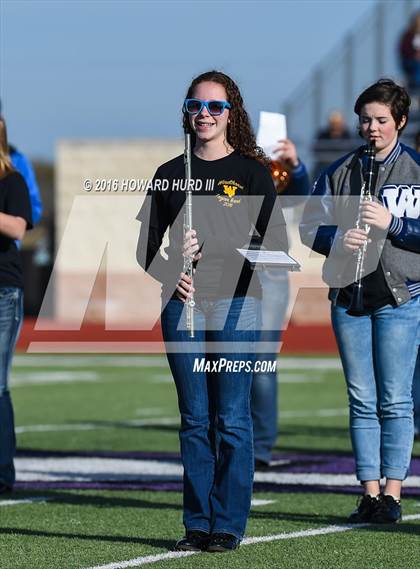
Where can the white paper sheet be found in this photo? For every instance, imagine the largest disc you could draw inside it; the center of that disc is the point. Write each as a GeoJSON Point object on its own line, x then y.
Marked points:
{"type": "Point", "coordinates": [270, 258]}
{"type": "Point", "coordinates": [271, 129]}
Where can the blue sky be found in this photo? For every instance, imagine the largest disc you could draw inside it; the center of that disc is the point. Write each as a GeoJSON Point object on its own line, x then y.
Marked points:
{"type": "Point", "coordinates": [120, 69]}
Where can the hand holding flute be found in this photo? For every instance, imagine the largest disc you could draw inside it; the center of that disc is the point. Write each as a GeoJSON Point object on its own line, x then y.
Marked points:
{"type": "Point", "coordinates": [185, 287]}
{"type": "Point", "coordinates": [190, 245]}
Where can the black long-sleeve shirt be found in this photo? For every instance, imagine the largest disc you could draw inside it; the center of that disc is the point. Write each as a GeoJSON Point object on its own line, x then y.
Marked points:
{"type": "Point", "coordinates": [236, 198]}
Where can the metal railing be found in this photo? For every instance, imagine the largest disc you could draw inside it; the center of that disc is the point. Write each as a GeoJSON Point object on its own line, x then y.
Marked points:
{"type": "Point", "coordinates": [367, 53]}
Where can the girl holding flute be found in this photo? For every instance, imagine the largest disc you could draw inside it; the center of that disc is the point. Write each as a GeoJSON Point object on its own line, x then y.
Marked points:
{"type": "Point", "coordinates": [213, 370]}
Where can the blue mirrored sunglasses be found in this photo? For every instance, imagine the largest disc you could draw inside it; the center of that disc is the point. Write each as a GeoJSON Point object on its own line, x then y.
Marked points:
{"type": "Point", "coordinates": [195, 106]}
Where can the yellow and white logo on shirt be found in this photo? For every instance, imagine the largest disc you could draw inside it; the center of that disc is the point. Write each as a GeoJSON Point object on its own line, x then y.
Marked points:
{"type": "Point", "coordinates": [230, 190]}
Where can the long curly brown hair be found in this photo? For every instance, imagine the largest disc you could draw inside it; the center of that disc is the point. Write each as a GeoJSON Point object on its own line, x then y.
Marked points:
{"type": "Point", "coordinates": [5, 161]}
{"type": "Point", "coordinates": [240, 134]}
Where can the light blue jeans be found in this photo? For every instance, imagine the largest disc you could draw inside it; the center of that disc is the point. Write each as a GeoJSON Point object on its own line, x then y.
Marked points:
{"type": "Point", "coordinates": [275, 298]}
{"type": "Point", "coordinates": [416, 395]}
{"type": "Point", "coordinates": [378, 353]}
{"type": "Point", "coordinates": [11, 313]}
{"type": "Point", "coordinates": [216, 426]}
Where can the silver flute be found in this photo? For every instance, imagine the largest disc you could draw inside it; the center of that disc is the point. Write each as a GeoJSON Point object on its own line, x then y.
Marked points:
{"type": "Point", "coordinates": [188, 261]}
{"type": "Point", "coordinates": [357, 301]}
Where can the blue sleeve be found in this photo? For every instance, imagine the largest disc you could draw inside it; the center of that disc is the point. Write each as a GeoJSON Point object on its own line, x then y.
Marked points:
{"type": "Point", "coordinates": [404, 232]}
{"type": "Point", "coordinates": [317, 229]}
{"type": "Point", "coordinates": [299, 187]}
{"type": "Point", "coordinates": [22, 165]}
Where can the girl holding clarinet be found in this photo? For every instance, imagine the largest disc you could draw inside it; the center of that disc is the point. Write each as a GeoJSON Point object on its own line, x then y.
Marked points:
{"type": "Point", "coordinates": [212, 367]}
{"type": "Point", "coordinates": [375, 298]}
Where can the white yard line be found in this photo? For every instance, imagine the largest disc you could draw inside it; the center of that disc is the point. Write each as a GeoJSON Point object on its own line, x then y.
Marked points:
{"type": "Point", "coordinates": [58, 428]}
{"type": "Point", "coordinates": [318, 479]}
{"type": "Point", "coordinates": [309, 363]}
{"type": "Point", "coordinates": [49, 377]}
{"type": "Point", "coordinates": [95, 427]}
{"type": "Point", "coordinates": [284, 377]}
{"type": "Point", "coordinates": [162, 378]}
{"type": "Point", "coordinates": [149, 411]}
{"type": "Point", "coordinates": [68, 360]}
{"type": "Point", "coordinates": [25, 501]}
{"type": "Point", "coordinates": [343, 412]}
{"type": "Point", "coordinates": [158, 421]}
{"type": "Point", "coordinates": [149, 559]}
{"type": "Point", "coordinates": [138, 561]}
{"type": "Point", "coordinates": [84, 468]}
{"type": "Point", "coordinates": [257, 502]}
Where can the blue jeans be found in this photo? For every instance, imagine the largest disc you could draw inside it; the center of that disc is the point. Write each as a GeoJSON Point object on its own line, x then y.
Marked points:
{"type": "Point", "coordinates": [216, 426]}
{"type": "Point", "coordinates": [275, 289]}
{"type": "Point", "coordinates": [378, 353]}
{"type": "Point", "coordinates": [416, 394]}
{"type": "Point", "coordinates": [11, 313]}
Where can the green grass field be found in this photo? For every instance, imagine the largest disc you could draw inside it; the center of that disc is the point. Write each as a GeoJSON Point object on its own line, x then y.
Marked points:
{"type": "Point", "coordinates": [105, 407]}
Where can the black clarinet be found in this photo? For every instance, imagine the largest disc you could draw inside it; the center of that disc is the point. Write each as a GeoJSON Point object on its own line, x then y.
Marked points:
{"type": "Point", "coordinates": [356, 307]}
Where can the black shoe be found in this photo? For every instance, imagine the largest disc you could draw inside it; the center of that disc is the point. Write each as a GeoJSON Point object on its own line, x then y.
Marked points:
{"type": "Point", "coordinates": [194, 540]}
{"type": "Point", "coordinates": [365, 510]}
{"type": "Point", "coordinates": [261, 465]}
{"type": "Point", "coordinates": [221, 542]}
{"type": "Point", "coordinates": [4, 489]}
{"type": "Point", "coordinates": [388, 511]}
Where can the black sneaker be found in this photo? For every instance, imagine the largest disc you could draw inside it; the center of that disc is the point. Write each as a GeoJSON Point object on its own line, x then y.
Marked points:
{"type": "Point", "coordinates": [222, 542]}
{"type": "Point", "coordinates": [194, 540]}
{"type": "Point", "coordinates": [365, 510]}
{"type": "Point", "coordinates": [388, 511]}
{"type": "Point", "coordinates": [261, 465]}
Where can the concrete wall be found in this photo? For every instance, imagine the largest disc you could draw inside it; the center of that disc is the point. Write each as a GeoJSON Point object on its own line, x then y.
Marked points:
{"type": "Point", "coordinates": [97, 232]}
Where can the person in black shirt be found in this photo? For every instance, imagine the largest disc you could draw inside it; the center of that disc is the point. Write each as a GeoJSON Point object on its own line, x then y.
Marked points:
{"type": "Point", "coordinates": [234, 205]}
{"type": "Point", "coordinates": [15, 218]}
